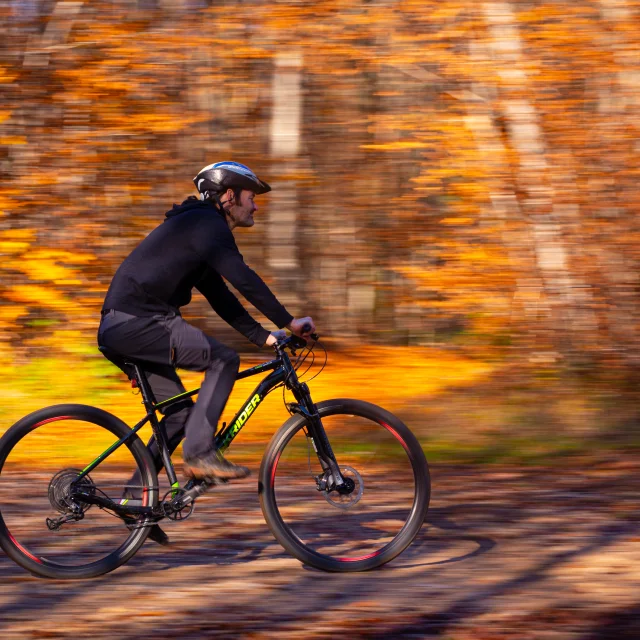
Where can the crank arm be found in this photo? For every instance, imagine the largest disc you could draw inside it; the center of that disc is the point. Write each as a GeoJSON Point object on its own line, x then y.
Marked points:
{"type": "Point", "coordinates": [193, 490]}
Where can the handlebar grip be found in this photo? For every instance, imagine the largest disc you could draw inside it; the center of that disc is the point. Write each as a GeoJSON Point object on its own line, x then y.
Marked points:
{"type": "Point", "coordinates": [306, 327]}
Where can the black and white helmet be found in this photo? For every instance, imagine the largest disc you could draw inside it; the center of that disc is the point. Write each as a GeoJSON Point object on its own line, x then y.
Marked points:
{"type": "Point", "coordinates": [228, 175]}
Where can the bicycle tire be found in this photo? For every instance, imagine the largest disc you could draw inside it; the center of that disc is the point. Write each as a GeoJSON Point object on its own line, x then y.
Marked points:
{"type": "Point", "coordinates": [45, 567]}
{"type": "Point", "coordinates": [287, 536]}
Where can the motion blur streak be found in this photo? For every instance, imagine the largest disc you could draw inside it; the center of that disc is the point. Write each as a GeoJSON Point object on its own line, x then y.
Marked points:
{"type": "Point", "coordinates": [455, 200]}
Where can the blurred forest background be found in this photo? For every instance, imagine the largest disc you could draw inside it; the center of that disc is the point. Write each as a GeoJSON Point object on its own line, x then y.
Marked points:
{"type": "Point", "coordinates": [455, 194]}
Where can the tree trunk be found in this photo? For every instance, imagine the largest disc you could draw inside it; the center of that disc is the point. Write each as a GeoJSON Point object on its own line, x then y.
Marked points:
{"type": "Point", "coordinates": [618, 106]}
{"type": "Point", "coordinates": [569, 300]}
{"type": "Point", "coordinates": [283, 228]}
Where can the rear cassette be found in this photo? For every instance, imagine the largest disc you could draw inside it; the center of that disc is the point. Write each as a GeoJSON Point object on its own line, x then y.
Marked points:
{"type": "Point", "coordinates": [60, 491]}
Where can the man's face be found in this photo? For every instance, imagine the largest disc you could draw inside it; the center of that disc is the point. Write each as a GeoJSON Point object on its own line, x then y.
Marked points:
{"type": "Point", "coordinates": [243, 208]}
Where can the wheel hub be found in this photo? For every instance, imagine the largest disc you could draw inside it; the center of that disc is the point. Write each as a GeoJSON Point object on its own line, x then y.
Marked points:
{"type": "Point", "coordinates": [348, 494]}
{"type": "Point", "coordinates": [60, 491]}
{"type": "Point", "coordinates": [346, 487]}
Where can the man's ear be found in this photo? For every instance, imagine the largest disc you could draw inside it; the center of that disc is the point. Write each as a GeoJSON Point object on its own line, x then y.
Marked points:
{"type": "Point", "coordinates": [230, 196]}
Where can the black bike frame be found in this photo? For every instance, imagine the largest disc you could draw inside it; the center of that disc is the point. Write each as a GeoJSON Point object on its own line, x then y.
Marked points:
{"type": "Point", "coordinates": [282, 371]}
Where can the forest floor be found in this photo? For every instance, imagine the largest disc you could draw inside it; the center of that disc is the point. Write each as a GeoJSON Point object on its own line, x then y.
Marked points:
{"type": "Point", "coordinates": [507, 551]}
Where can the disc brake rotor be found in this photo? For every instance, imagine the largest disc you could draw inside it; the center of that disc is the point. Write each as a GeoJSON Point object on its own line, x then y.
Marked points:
{"type": "Point", "coordinates": [346, 500]}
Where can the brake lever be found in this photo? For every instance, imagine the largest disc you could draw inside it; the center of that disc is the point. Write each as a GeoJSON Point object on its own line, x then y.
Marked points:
{"type": "Point", "coordinates": [296, 343]}
{"type": "Point", "coordinates": [293, 342]}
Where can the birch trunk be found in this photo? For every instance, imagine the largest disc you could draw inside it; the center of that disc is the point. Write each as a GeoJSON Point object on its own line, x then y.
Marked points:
{"type": "Point", "coordinates": [282, 227]}
{"type": "Point", "coordinates": [55, 34]}
{"type": "Point", "coordinates": [618, 100]}
{"type": "Point", "coordinates": [568, 299]}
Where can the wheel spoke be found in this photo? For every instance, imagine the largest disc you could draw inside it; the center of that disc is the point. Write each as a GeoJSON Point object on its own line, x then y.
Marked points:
{"type": "Point", "coordinates": [371, 512]}
{"type": "Point", "coordinates": [41, 515]}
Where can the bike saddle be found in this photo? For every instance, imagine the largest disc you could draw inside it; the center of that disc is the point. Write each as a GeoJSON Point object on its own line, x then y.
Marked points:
{"type": "Point", "coordinates": [126, 363]}
{"type": "Point", "coordinates": [116, 357]}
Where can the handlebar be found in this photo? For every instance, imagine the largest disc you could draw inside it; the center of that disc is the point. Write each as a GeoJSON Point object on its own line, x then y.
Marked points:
{"type": "Point", "coordinates": [295, 342]}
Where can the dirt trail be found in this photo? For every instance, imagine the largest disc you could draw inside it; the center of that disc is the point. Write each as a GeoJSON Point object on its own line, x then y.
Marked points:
{"type": "Point", "coordinates": [505, 553]}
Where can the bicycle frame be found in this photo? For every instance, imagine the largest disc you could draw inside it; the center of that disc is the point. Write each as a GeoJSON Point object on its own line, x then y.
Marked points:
{"type": "Point", "coordinates": [282, 371]}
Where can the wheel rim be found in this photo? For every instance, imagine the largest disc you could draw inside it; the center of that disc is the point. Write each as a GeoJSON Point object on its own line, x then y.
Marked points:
{"type": "Point", "coordinates": [375, 455]}
{"type": "Point", "coordinates": [28, 497]}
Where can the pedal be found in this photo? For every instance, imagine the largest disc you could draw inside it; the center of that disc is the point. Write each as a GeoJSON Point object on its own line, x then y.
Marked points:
{"type": "Point", "coordinates": [195, 488]}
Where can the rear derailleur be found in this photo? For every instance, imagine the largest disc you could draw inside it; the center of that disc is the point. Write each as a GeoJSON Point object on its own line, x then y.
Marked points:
{"type": "Point", "coordinates": [53, 524]}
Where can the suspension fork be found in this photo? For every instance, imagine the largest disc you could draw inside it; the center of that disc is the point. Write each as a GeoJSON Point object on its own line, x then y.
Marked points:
{"type": "Point", "coordinates": [321, 444]}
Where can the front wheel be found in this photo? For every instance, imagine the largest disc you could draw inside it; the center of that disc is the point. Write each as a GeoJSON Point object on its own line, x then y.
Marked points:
{"type": "Point", "coordinates": [375, 517]}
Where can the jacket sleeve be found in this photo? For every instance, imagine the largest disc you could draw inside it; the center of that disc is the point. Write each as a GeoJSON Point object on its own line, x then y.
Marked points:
{"type": "Point", "coordinates": [228, 307]}
{"type": "Point", "coordinates": [226, 260]}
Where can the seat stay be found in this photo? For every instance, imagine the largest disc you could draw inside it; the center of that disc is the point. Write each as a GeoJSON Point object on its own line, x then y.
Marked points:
{"type": "Point", "coordinates": [114, 446]}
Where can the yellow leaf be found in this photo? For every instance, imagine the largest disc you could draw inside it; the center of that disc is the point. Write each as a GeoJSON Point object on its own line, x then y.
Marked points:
{"type": "Point", "coordinates": [18, 234]}
{"type": "Point", "coordinates": [457, 221]}
{"type": "Point", "coordinates": [8, 140]}
{"type": "Point", "coordinates": [9, 313]}
{"type": "Point", "coordinates": [394, 146]}
{"type": "Point", "coordinates": [37, 295]}
{"type": "Point", "coordinates": [5, 77]}
{"type": "Point", "coordinates": [9, 246]}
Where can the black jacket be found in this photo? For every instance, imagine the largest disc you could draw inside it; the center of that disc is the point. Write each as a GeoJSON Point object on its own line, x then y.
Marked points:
{"type": "Point", "coordinates": [193, 247]}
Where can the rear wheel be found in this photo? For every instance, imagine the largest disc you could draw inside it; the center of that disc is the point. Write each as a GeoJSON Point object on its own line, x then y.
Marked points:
{"type": "Point", "coordinates": [378, 512]}
{"type": "Point", "coordinates": [40, 456]}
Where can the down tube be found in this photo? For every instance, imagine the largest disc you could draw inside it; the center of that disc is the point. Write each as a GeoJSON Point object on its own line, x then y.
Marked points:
{"type": "Point", "coordinates": [226, 436]}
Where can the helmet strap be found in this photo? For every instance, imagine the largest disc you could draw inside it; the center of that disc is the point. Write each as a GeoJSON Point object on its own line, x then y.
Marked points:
{"type": "Point", "coordinates": [219, 205]}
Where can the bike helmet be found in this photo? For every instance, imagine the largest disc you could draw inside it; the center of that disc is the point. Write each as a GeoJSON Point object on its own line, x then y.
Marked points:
{"type": "Point", "coordinates": [220, 176]}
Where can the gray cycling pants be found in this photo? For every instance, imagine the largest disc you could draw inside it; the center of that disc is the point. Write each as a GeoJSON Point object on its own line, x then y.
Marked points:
{"type": "Point", "coordinates": [164, 343]}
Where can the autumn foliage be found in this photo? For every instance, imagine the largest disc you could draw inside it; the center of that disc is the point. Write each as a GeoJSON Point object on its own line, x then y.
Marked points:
{"type": "Point", "coordinates": [462, 174]}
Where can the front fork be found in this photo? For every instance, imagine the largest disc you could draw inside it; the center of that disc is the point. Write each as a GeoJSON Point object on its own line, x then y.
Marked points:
{"type": "Point", "coordinates": [306, 407]}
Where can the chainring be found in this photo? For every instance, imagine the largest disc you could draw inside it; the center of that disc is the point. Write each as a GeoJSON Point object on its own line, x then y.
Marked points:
{"type": "Point", "coordinates": [346, 500]}
{"type": "Point", "coordinates": [60, 489]}
{"type": "Point", "coordinates": [168, 502]}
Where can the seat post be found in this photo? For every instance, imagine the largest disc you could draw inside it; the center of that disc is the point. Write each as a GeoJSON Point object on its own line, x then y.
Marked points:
{"type": "Point", "coordinates": [159, 430]}
{"type": "Point", "coordinates": [148, 397]}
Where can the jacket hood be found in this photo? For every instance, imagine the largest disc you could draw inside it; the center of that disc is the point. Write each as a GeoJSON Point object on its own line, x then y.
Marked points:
{"type": "Point", "coordinates": [190, 203]}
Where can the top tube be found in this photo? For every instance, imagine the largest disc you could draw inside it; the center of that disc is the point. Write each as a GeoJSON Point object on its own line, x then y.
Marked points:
{"type": "Point", "coordinates": [260, 368]}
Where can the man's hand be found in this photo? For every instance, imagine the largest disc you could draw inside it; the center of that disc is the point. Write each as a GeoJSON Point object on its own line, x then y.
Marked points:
{"type": "Point", "coordinates": [274, 336]}
{"type": "Point", "coordinates": [297, 324]}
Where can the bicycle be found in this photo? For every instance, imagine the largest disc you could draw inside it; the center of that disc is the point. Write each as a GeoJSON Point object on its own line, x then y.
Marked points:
{"type": "Point", "coordinates": [344, 485]}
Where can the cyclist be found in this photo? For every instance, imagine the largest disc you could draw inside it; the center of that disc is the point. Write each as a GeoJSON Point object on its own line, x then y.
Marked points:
{"type": "Point", "coordinates": [194, 247]}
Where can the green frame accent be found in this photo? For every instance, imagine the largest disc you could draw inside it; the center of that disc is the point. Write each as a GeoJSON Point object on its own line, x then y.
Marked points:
{"type": "Point", "coordinates": [224, 437]}
{"type": "Point", "coordinates": [114, 446]}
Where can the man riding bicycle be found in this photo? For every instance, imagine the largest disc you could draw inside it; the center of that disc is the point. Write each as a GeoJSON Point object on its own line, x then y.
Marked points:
{"type": "Point", "coordinates": [193, 248]}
